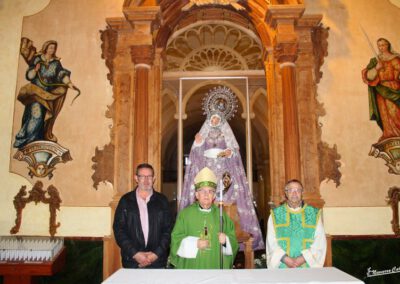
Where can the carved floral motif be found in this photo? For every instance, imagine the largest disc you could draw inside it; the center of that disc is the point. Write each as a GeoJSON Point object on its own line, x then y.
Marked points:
{"type": "Point", "coordinates": [103, 165]}
{"type": "Point", "coordinates": [108, 47]}
{"type": "Point", "coordinates": [320, 42]}
{"type": "Point", "coordinates": [393, 200]}
{"type": "Point", "coordinates": [142, 54]}
{"type": "Point", "coordinates": [201, 48]}
{"type": "Point", "coordinates": [37, 194]}
{"type": "Point", "coordinates": [104, 159]}
{"type": "Point", "coordinates": [329, 163]}
{"type": "Point", "coordinates": [286, 51]}
{"type": "Point", "coordinates": [233, 3]}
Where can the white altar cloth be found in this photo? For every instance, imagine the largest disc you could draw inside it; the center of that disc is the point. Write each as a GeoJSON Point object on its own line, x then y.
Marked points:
{"type": "Point", "coordinates": [327, 275]}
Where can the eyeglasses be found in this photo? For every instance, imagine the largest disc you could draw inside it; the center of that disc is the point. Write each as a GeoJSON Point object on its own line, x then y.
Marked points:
{"type": "Point", "coordinates": [293, 190]}
{"type": "Point", "coordinates": [144, 177]}
{"type": "Point", "coordinates": [205, 191]}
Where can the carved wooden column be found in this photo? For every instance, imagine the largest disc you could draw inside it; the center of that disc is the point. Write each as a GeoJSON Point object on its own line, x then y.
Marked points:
{"type": "Point", "coordinates": [143, 19]}
{"type": "Point", "coordinates": [275, 129]}
{"type": "Point", "coordinates": [283, 20]}
{"type": "Point", "coordinates": [290, 126]}
{"type": "Point", "coordinates": [142, 56]}
{"type": "Point", "coordinates": [154, 146]}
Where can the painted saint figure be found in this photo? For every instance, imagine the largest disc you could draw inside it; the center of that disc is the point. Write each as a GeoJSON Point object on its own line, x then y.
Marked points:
{"type": "Point", "coordinates": [44, 96]}
{"type": "Point", "coordinates": [215, 147]}
{"type": "Point", "coordinates": [382, 75]}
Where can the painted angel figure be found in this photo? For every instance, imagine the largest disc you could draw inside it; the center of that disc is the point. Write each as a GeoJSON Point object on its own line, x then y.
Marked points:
{"type": "Point", "coordinates": [215, 146]}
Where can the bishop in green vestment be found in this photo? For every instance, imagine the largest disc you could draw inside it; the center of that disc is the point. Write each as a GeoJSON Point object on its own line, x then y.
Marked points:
{"type": "Point", "coordinates": [195, 239]}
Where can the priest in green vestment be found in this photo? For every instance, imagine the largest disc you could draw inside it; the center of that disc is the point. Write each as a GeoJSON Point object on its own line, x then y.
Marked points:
{"type": "Point", "coordinates": [295, 236]}
{"type": "Point", "coordinates": [196, 237]}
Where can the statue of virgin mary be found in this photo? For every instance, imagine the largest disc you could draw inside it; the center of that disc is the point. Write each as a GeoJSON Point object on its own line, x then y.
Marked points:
{"type": "Point", "coordinates": [215, 147]}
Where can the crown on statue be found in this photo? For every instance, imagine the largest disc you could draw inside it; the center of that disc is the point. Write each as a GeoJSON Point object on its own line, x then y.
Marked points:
{"type": "Point", "coordinates": [222, 101]}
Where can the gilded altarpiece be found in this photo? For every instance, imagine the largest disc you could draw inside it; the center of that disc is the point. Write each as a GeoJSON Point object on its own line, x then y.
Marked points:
{"type": "Point", "coordinates": [294, 48]}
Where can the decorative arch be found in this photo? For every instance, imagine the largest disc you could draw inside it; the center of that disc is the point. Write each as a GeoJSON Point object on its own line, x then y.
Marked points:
{"type": "Point", "coordinates": [259, 92]}
{"type": "Point", "coordinates": [257, 121]}
{"type": "Point", "coordinates": [172, 14]}
{"type": "Point", "coordinates": [236, 26]}
{"type": "Point", "coordinates": [171, 94]}
{"type": "Point", "coordinates": [220, 45]}
{"type": "Point", "coordinates": [213, 58]}
{"type": "Point", "coordinates": [168, 126]}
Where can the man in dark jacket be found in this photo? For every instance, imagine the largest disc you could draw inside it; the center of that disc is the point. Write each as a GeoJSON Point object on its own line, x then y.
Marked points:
{"type": "Point", "coordinates": [142, 223]}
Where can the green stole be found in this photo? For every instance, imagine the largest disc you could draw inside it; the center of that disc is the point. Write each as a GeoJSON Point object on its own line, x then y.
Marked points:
{"type": "Point", "coordinates": [295, 230]}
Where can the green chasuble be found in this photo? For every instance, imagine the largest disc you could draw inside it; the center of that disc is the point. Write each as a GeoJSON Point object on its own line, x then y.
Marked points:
{"type": "Point", "coordinates": [193, 222]}
{"type": "Point", "coordinates": [295, 230]}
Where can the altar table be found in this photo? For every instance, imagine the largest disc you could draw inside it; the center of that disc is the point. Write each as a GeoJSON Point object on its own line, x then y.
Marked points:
{"type": "Point", "coordinates": [326, 275]}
